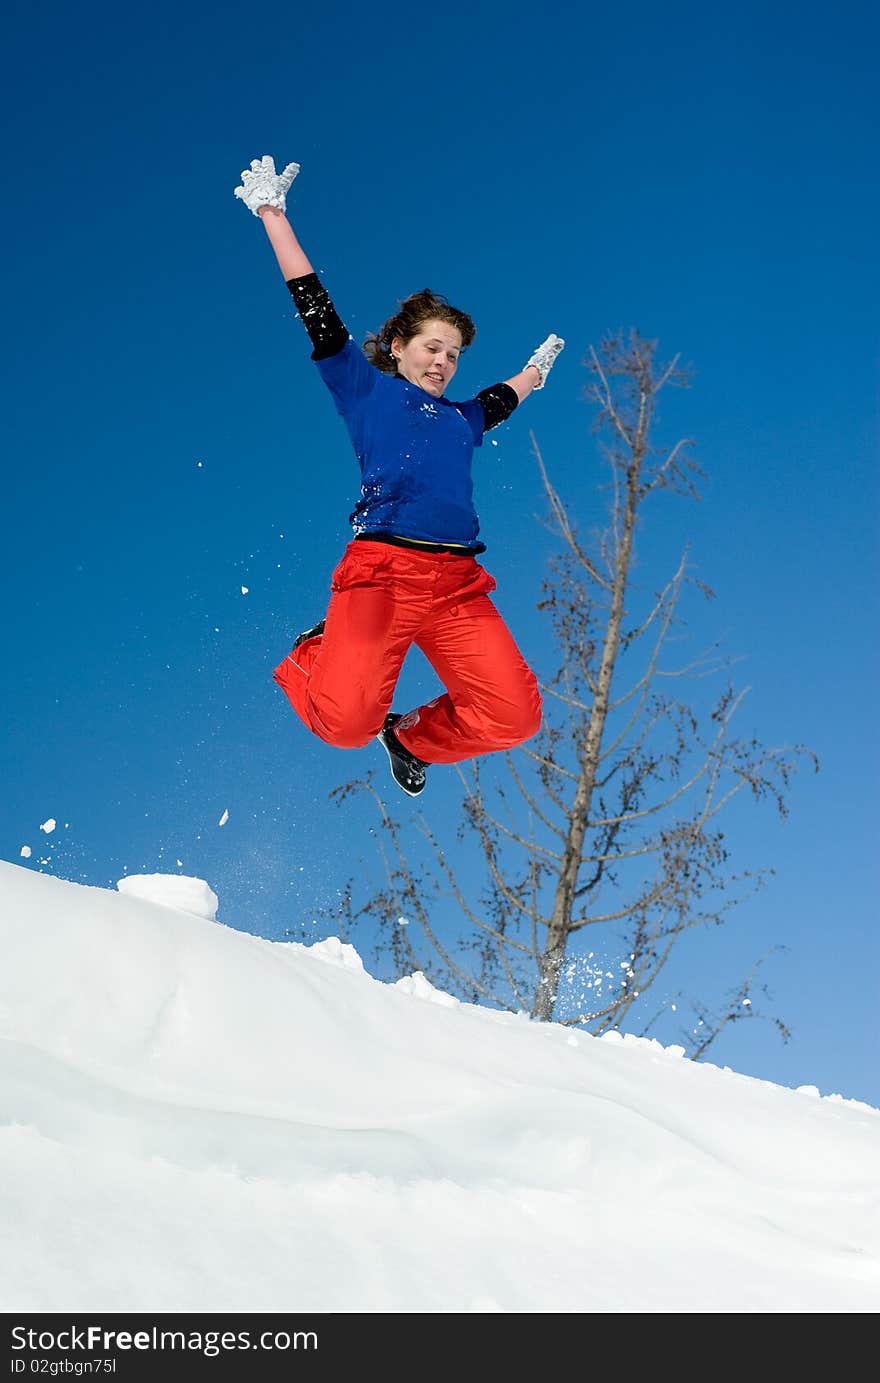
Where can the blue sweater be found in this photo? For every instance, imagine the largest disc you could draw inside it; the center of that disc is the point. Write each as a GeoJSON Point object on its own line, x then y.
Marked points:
{"type": "Point", "coordinates": [415, 452]}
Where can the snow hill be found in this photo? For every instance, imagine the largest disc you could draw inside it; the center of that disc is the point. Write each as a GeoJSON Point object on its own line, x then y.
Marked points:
{"type": "Point", "coordinates": [195, 1119]}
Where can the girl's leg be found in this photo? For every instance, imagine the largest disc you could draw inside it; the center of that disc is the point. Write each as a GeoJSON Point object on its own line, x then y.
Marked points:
{"type": "Point", "coordinates": [492, 699]}
{"type": "Point", "coordinates": [340, 683]}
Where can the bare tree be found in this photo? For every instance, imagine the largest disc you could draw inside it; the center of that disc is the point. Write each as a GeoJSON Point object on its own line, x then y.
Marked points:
{"type": "Point", "coordinates": [599, 843]}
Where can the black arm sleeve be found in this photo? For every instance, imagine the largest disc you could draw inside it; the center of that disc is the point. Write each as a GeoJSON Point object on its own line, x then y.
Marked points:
{"type": "Point", "coordinates": [498, 401]}
{"type": "Point", "coordinates": [321, 320]}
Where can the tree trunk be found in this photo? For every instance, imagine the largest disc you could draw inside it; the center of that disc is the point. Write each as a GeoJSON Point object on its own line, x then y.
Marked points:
{"type": "Point", "coordinates": [566, 888]}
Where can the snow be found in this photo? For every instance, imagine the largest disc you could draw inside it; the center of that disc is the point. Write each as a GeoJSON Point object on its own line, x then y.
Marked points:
{"type": "Point", "coordinates": [197, 1119]}
{"type": "Point", "coordinates": [173, 891]}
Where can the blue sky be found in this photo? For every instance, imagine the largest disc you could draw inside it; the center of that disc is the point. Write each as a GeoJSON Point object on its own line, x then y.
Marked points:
{"type": "Point", "coordinates": [706, 178]}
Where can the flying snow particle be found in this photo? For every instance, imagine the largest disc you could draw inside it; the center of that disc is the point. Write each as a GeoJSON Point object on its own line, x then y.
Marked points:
{"type": "Point", "coordinates": [747, 1003]}
{"type": "Point", "coordinates": [403, 921]}
{"type": "Point", "coordinates": [49, 826]}
{"type": "Point", "coordinates": [25, 852]}
{"type": "Point", "coordinates": [244, 590]}
{"type": "Point", "coordinates": [224, 818]}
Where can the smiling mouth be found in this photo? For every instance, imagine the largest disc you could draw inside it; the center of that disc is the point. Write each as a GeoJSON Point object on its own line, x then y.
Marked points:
{"type": "Point", "coordinates": [438, 379]}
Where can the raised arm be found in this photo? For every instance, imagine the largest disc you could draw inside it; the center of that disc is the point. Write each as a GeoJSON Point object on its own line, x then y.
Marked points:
{"type": "Point", "coordinates": [499, 400]}
{"type": "Point", "coordinates": [534, 374]}
{"type": "Point", "coordinates": [523, 383]}
{"type": "Point", "coordinates": [292, 259]}
{"type": "Point", "coordinates": [264, 192]}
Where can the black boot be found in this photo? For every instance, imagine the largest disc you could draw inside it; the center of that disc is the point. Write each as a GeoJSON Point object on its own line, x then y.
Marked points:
{"type": "Point", "coordinates": [408, 771]}
{"type": "Point", "coordinates": [312, 633]}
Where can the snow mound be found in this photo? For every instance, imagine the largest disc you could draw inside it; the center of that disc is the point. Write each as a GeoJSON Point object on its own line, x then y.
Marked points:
{"type": "Point", "coordinates": [336, 952]}
{"type": "Point", "coordinates": [421, 987]}
{"type": "Point", "coordinates": [178, 891]}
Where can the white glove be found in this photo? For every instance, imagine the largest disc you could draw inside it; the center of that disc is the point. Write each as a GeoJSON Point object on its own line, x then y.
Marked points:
{"type": "Point", "coordinates": [262, 186]}
{"type": "Point", "coordinates": [544, 357]}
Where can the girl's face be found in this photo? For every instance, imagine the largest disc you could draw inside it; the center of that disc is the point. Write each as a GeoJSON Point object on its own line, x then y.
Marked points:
{"type": "Point", "coordinates": [430, 359]}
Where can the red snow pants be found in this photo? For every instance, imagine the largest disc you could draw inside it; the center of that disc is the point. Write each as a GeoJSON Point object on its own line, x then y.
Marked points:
{"type": "Point", "coordinates": [385, 599]}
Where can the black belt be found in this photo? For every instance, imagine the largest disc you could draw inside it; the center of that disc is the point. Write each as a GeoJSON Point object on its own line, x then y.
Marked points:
{"type": "Point", "coordinates": [396, 541]}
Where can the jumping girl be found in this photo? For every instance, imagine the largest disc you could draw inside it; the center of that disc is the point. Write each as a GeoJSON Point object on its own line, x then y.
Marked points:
{"type": "Point", "coordinates": [410, 574]}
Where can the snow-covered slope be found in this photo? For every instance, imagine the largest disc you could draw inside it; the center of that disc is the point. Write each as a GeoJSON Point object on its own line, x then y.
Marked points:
{"type": "Point", "coordinates": [194, 1119]}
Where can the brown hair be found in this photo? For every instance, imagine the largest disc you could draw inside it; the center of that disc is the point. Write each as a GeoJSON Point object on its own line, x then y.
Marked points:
{"type": "Point", "coordinates": [408, 321]}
